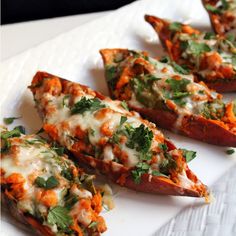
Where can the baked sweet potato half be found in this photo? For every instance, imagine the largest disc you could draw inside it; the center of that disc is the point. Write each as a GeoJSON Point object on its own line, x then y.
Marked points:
{"type": "Point", "coordinates": [222, 14]}
{"type": "Point", "coordinates": [166, 94]}
{"type": "Point", "coordinates": [211, 58]}
{"type": "Point", "coordinates": [45, 189]}
{"type": "Point", "coordinates": [103, 134]}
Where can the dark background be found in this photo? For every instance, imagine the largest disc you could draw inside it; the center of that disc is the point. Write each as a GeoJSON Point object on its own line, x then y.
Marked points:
{"type": "Point", "coordinates": [24, 10]}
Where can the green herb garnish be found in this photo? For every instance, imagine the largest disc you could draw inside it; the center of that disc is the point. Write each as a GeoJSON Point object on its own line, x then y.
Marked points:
{"type": "Point", "coordinates": [230, 151]}
{"type": "Point", "coordinates": [124, 105]}
{"type": "Point", "coordinates": [163, 146]}
{"type": "Point", "coordinates": [139, 138]}
{"type": "Point", "coordinates": [188, 155]}
{"type": "Point", "coordinates": [50, 183]}
{"type": "Point", "coordinates": [209, 35]}
{"type": "Point", "coordinates": [141, 168]}
{"type": "Point", "coordinates": [183, 69]}
{"type": "Point", "coordinates": [198, 48]}
{"type": "Point", "coordinates": [175, 26]}
{"type": "Point", "coordinates": [10, 120]}
{"type": "Point", "coordinates": [60, 216]}
{"type": "Point", "coordinates": [86, 104]}
{"type": "Point", "coordinates": [178, 85]}
{"type": "Point", "coordinates": [213, 9]}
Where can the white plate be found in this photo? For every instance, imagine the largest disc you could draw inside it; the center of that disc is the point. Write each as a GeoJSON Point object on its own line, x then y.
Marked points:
{"type": "Point", "coordinates": [75, 56]}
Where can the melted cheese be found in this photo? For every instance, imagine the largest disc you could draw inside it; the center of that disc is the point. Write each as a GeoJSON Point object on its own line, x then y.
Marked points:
{"type": "Point", "coordinates": [39, 160]}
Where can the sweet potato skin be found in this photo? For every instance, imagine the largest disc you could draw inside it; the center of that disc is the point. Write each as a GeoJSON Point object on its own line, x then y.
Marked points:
{"type": "Point", "coordinates": [193, 126]}
{"type": "Point", "coordinates": [148, 184]}
{"type": "Point", "coordinates": [120, 174]}
{"type": "Point", "coordinates": [24, 218]}
{"type": "Point", "coordinates": [161, 27]}
{"type": "Point", "coordinates": [219, 25]}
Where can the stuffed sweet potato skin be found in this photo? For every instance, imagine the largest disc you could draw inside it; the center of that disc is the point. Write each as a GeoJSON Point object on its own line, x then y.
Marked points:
{"type": "Point", "coordinates": [24, 218]}
{"type": "Point", "coordinates": [219, 20]}
{"type": "Point", "coordinates": [31, 173]}
{"type": "Point", "coordinates": [223, 80]}
{"type": "Point", "coordinates": [194, 126]}
{"type": "Point", "coordinates": [115, 171]}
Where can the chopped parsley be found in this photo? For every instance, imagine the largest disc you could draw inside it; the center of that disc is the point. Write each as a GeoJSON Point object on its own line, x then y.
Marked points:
{"type": "Point", "coordinates": [139, 138]}
{"type": "Point", "coordinates": [124, 105]}
{"type": "Point", "coordinates": [188, 155]}
{"type": "Point", "coordinates": [213, 110]}
{"type": "Point", "coordinates": [10, 120]}
{"type": "Point", "coordinates": [141, 168]}
{"type": "Point", "coordinates": [213, 9]}
{"type": "Point", "coordinates": [60, 216]}
{"type": "Point", "coordinates": [110, 72]}
{"type": "Point", "coordinates": [167, 164]}
{"type": "Point", "coordinates": [209, 35]}
{"type": "Point", "coordinates": [198, 48]}
{"type": "Point", "coordinates": [163, 146]}
{"type": "Point", "coordinates": [66, 172]}
{"type": "Point", "coordinates": [183, 69]}
{"type": "Point", "coordinates": [178, 85]}
{"type": "Point", "coordinates": [50, 183]}
{"type": "Point", "coordinates": [86, 104]}
{"type": "Point", "coordinates": [58, 149]}
{"type": "Point", "coordinates": [230, 151]}
{"type": "Point", "coordinates": [175, 26]}
{"type": "Point", "coordinates": [16, 132]}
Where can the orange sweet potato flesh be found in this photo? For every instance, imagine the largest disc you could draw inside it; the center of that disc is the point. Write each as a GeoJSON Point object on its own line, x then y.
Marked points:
{"type": "Point", "coordinates": [119, 173]}
{"type": "Point", "coordinates": [161, 26]}
{"type": "Point", "coordinates": [194, 126]}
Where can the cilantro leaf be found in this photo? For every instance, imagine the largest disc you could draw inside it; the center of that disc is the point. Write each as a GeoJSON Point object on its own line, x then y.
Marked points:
{"type": "Point", "coordinates": [58, 149]}
{"type": "Point", "coordinates": [230, 151]}
{"type": "Point", "coordinates": [141, 168]}
{"type": "Point", "coordinates": [165, 59]}
{"type": "Point", "coordinates": [16, 132]}
{"type": "Point", "coordinates": [158, 173]}
{"type": "Point", "coordinates": [198, 48]}
{"type": "Point", "coordinates": [167, 164]}
{"type": "Point", "coordinates": [213, 9]}
{"type": "Point", "coordinates": [163, 146]}
{"type": "Point", "coordinates": [10, 134]}
{"type": "Point", "coordinates": [10, 120]}
{"type": "Point", "coordinates": [188, 155]}
{"type": "Point", "coordinates": [50, 183]}
{"type": "Point", "coordinates": [209, 35]}
{"type": "Point", "coordinates": [123, 119]}
{"type": "Point", "coordinates": [85, 104]}
{"type": "Point", "coordinates": [178, 85]}
{"type": "Point", "coordinates": [40, 182]}
{"type": "Point", "coordinates": [149, 78]}
{"type": "Point", "coordinates": [70, 201]}
{"type": "Point", "coordinates": [60, 216]}
{"type": "Point", "coordinates": [140, 138]}
{"type": "Point", "coordinates": [175, 26]}
{"type": "Point", "coordinates": [124, 105]}
{"type": "Point", "coordinates": [183, 69]}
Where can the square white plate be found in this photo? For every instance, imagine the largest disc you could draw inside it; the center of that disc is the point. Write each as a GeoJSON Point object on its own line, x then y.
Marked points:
{"type": "Point", "coordinates": [74, 55]}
